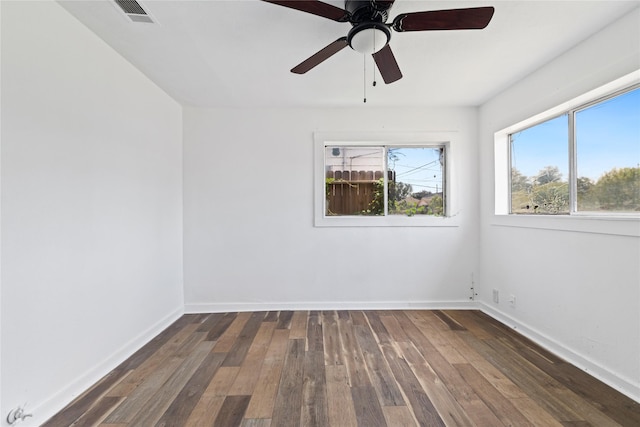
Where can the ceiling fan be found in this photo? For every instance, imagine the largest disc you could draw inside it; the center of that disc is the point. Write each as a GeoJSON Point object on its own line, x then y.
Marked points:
{"type": "Point", "coordinates": [370, 32]}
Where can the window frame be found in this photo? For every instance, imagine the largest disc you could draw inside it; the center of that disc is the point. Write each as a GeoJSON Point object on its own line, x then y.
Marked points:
{"type": "Point", "coordinates": [385, 139]}
{"type": "Point", "coordinates": [570, 136]}
{"type": "Point", "coordinates": [617, 223]}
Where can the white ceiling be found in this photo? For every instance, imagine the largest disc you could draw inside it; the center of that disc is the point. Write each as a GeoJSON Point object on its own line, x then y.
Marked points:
{"type": "Point", "coordinates": [218, 53]}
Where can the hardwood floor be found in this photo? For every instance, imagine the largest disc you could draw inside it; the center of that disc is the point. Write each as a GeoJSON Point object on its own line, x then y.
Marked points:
{"type": "Point", "coordinates": [346, 368]}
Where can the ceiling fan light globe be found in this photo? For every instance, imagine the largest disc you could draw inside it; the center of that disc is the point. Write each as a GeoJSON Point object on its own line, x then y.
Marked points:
{"type": "Point", "coordinates": [369, 40]}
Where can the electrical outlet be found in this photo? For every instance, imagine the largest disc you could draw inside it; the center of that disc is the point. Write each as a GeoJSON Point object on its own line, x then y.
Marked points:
{"type": "Point", "coordinates": [496, 296]}
{"type": "Point", "coordinates": [512, 300]}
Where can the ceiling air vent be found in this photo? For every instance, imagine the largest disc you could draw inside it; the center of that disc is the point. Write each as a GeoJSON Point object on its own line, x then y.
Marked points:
{"type": "Point", "coordinates": [134, 11]}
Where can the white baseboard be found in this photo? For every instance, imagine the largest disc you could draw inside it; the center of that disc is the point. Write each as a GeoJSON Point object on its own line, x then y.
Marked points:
{"type": "Point", "coordinates": [329, 305]}
{"type": "Point", "coordinates": [55, 403]}
{"type": "Point", "coordinates": [623, 385]}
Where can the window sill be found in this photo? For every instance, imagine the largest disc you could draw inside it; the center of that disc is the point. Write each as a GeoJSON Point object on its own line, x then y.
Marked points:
{"type": "Point", "coordinates": [388, 221]}
{"type": "Point", "coordinates": [619, 226]}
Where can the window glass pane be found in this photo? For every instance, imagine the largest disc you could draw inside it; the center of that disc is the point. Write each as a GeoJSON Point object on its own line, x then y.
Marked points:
{"type": "Point", "coordinates": [539, 168]}
{"type": "Point", "coordinates": [608, 155]}
{"type": "Point", "coordinates": [416, 185]}
{"type": "Point", "coordinates": [353, 180]}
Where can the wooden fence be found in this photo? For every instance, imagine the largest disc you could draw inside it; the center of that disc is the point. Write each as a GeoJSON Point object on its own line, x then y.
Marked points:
{"type": "Point", "coordinates": [351, 192]}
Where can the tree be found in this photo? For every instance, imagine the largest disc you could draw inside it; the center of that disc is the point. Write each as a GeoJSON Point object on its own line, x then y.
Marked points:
{"type": "Point", "coordinates": [519, 182]}
{"type": "Point", "coordinates": [520, 192]}
{"type": "Point", "coordinates": [619, 189]}
{"type": "Point", "coordinates": [548, 174]}
{"type": "Point", "coordinates": [436, 206]}
{"type": "Point", "coordinates": [552, 197]}
{"type": "Point", "coordinates": [586, 196]}
{"type": "Point", "coordinates": [585, 185]}
{"type": "Point", "coordinates": [548, 194]}
{"type": "Point", "coordinates": [420, 194]}
{"type": "Point", "coordinates": [399, 190]}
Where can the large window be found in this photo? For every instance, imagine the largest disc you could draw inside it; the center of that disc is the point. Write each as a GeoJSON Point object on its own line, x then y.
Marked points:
{"type": "Point", "coordinates": [384, 179]}
{"type": "Point", "coordinates": [586, 160]}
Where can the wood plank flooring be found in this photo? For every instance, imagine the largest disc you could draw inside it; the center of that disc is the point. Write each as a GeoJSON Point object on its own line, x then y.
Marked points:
{"type": "Point", "coordinates": [346, 368]}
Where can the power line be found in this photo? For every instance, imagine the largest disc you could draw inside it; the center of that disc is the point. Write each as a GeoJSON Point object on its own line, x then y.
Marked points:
{"type": "Point", "coordinates": [416, 169]}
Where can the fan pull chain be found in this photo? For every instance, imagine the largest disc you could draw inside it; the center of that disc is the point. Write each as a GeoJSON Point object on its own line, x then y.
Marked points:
{"type": "Point", "coordinates": [374, 66]}
{"type": "Point", "coordinates": [374, 76]}
{"type": "Point", "coordinates": [364, 79]}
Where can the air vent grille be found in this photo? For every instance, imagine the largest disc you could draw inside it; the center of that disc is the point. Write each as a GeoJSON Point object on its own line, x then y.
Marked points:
{"type": "Point", "coordinates": [131, 6]}
{"type": "Point", "coordinates": [134, 10]}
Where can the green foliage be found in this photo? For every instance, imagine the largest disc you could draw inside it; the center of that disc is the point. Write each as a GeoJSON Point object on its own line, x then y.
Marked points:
{"type": "Point", "coordinates": [327, 186]}
{"type": "Point", "coordinates": [399, 190]}
{"type": "Point", "coordinates": [436, 206]}
{"type": "Point", "coordinates": [420, 194]}
{"type": "Point", "coordinates": [551, 198]}
{"type": "Point", "coordinates": [376, 207]}
{"type": "Point", "coordinates": [586, 194]}
{"type": "Point", "coordinates": [616, 190]}
{"type": "Point", "coordinates": [397, 202]}
{"type": "Point", "coordinates": [519, 182]}
{"type": "Point", "coordinates": [619, 189]}
{"type": "Point", "coordinates": [327, 193]}
{"type": "Point", "coordinates": [544, 193]}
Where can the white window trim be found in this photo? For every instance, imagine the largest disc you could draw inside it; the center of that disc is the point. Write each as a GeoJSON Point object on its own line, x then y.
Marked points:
{"type": "Point", "coordinates": [616, 224]}
{"type": "Point", "coordinates": [404, 139]}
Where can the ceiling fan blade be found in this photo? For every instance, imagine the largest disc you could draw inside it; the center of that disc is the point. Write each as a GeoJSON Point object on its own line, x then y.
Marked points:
{"type": "Point", "coordinates": [474, 18]}
{"type": "Point", "coordinates": [315, 7]}
{"type": "Point", "coordinates": [387, 65]}
{"type": "Point", "coordinates": [320, 56]}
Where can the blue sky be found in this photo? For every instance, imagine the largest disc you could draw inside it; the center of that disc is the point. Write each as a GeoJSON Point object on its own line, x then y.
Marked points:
{"type": "Point", "coordinates": [608, 136]}
{"type": "Point", "coordinates": [419, 167]}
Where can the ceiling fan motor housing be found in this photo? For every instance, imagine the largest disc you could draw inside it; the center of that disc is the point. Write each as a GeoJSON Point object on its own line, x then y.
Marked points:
{"type": "Point", "coordinates": [369, 33]}
{"type": "Point", "coordinates": [366, 11]}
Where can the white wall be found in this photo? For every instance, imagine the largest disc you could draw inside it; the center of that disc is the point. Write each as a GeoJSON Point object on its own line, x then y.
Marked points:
{"type": "Point", "coordinates": [249, 239]}
{"type": "Point", "coordinates": [0, 212]}
{"type": "Point", "coordinates": [91, 208]}
{"type": "Point", "coordinates": [578, 293]}
{"type": "Point", "coordinates": [91, 216]}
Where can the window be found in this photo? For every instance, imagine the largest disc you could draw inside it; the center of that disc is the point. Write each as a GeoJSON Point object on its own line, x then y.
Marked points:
{"type": "Point", "coordinates": [397, 180]}
{"type": "Point", "coordinates": [539, 174]}
{"type": "Point", "coordinates": [607, 139]}
{"type": "Point", "coordinates": [384, 180]}
{"type": "Point", "coordinates": [586, 160]}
